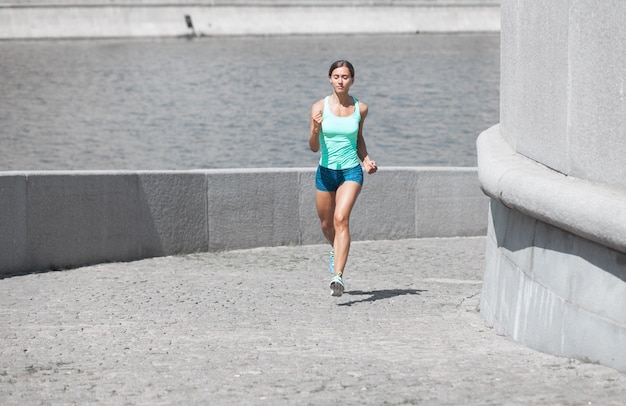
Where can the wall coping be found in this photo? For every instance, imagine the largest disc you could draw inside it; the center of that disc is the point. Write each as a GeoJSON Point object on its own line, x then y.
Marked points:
{"type": "Point", "coordinates": [214, 171]}
{"type": "Point", "coordinates": [590, 210]}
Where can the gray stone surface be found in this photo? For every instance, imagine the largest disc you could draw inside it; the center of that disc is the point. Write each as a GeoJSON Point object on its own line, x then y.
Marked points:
{"type": "Point", "coordinates": [79, 19]}
{"type": "Point", "coordinates": [171, 216]}
{"type": "Point", "coordinates": [78, 218]}
{"type": "Point", "coordinates": [562, 85]}
{"type": "Point", "coordinates": [555, 276]}
{"type": "Point", "coordinates": [554, 291]}
{"type": "Point", "coordinates": [253, 208]}
{"type": "Point", "coordinates": [590, 210]}
{"type": "Point", "coordinates": [439, 197]}
{"type": "Point", "coordinates": [67, 219]}
{"type": "Point", "coordinates": [13, 200]}
{"type": "Point", "coordinates": [259, 326]}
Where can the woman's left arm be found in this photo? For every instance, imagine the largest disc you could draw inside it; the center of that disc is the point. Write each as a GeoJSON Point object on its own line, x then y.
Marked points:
{"type": "Point", "coordinates": [361, 148]}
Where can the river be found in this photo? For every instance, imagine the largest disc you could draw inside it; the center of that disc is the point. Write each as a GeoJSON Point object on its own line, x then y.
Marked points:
{"type": "Point", "coordinates": [239, 102]}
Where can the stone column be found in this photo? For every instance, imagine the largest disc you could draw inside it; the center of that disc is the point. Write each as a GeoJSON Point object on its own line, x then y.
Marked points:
{"type": "Point", "coordinates": [555, 169]}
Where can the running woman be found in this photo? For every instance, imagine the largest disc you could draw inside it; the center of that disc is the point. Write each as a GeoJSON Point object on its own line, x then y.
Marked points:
{"type": "Point", "coordinates": [337, 129]}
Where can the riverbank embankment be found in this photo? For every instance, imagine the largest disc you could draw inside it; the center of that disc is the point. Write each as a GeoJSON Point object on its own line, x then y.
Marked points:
{"type": "Point", "coordinates": [54, 19]}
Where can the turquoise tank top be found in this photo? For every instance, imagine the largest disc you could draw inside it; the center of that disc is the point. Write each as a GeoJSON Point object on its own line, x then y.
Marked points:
{"type": "Point", "coordinates": [338, 137]}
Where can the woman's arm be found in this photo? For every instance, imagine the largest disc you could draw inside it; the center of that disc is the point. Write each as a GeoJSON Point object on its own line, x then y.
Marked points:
{"type": "Point", "coordinates": [361, 148]}
{"type": "Point", "coordinates": [316, 125]}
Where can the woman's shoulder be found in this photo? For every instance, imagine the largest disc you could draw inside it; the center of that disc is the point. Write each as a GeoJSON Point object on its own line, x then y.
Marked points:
{"type": "Point", "coordinates": [319, 103]}
{"type": "Point", "coordinates": [362, 106]}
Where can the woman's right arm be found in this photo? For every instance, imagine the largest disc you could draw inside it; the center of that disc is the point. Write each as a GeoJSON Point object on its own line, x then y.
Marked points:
{"type": "Point", "coordinates": [316, 125]}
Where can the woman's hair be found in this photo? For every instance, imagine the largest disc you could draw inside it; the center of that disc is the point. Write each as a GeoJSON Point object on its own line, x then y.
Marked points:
{"type": "Point", "coordinates": [341, 64]}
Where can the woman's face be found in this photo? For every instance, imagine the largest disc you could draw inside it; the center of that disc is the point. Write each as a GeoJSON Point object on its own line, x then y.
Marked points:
{"type": "Point", "coordinates": [341, 79]}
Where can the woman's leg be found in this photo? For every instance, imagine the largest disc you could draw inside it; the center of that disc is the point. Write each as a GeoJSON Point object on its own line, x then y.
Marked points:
{"type": "Point", "coordinates": [325, 203]}
{"type": "Point", "coordinates": [345, 197]}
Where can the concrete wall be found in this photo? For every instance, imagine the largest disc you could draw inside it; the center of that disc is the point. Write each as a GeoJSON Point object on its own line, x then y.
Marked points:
{"type": "Point", "coordinates": [99, 19]}
{"type": "Point", "coordinates": [555, 276]}
{"type": "Point", "coordinates": [55, 220]}
{"type": "Point", "coordinates": [554, 169]}
{"type": "Point", "coordinates": [553, 290]}
{"type": "Point", "coordinates": [562, 85]}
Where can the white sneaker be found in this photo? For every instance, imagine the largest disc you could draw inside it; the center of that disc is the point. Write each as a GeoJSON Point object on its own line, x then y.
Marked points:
{"type": "Point", "coordinates": [336, 286]}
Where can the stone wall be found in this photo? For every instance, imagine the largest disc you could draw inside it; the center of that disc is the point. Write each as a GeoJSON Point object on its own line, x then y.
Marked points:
{"type": "Point", "coordinates": [562, 86]}
{"type": "Point", "coordinates": [56, 220]}
{"type": "Point", "coordinates": [554, 169]}
{"type": "Point", "coordinates": [124, 18]}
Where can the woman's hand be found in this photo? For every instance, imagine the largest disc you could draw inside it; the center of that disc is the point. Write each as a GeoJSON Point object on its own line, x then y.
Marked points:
{"type": "Point", "coordinates": [316, 126]}
{"type": "Point", "coordinates": [316, 119]}
{"type": "Point", "coordinates": [370, 166]}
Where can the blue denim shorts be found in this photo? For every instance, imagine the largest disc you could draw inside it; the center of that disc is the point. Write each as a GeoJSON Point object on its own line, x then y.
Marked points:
{"type": "Point", "coordinates": [329, 180]}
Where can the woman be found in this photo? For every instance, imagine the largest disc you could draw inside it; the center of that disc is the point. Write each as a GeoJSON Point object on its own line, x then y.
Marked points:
{"type": "Point", "coordinates": [337, 128]}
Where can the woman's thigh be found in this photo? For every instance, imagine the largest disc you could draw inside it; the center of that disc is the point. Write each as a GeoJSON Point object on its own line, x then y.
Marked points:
{"type": "Point", "coordinates": [345, 199]}
{"type": "Point", "coordinates": [325, 203]}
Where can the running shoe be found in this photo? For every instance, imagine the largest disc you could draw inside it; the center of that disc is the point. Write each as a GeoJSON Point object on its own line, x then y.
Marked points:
{"type": "Point", "coordinates": [331, 262]}
{"type": "Point", "coordinates": [336, 286]}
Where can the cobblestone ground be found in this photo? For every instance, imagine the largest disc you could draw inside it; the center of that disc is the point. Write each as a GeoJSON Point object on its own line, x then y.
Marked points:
{"type": "Point", "coordinates": [259, 327]}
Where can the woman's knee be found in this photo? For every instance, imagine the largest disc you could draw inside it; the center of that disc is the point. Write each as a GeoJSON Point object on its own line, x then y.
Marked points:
{"type": "Point", "coordinates": [341, 220]}
{"type": "Point", "coordinates": [327, 224]}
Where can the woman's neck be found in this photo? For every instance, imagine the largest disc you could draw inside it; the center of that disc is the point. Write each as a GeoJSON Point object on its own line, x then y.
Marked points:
{"type": "Point", "coordinates": [342, 99]}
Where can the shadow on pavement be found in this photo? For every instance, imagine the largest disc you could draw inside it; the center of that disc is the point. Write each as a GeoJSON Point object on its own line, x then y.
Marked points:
{"type": "Point", "coordinates": [375, 295]}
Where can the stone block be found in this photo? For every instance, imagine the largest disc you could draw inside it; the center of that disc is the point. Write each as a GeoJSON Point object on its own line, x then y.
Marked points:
{"type": "Point", "coordinates": [311, 232]}
{"type": "Point", "coordinates": [13, 236]}
{"type": "Point", "coordinates": [592, 339]}
{"type": "Point", "coordinates": [597, 103]}
{"type": "Point", "coordinates": [78, 218]}
{"type": "Point", "coordinates": [554, 291]}
{"type": "Point", "coordinates": [449, 203]}
{"type": "Point", "coordinates": [172, 209]}
{"type": "Point", "coordinates": [581, 272]}
{"type": "Point", "coordinates": [516, 240]}
{"type": "Point", "coordinates": [385, 208]}
{"type": "Point", "coordinates": [533, 91]}
{"type": "Point", "coordinates": [508, 284]}
{"type": "Point", "coordinates": [539, 316]}
{"type": "Point", "coordinates": [252, 208]}
{"type": "Point", "coordinates": [488, 297]}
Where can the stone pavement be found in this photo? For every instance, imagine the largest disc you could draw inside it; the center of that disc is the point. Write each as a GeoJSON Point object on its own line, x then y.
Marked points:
{"type": "Point", "coordinates": [259, 327]}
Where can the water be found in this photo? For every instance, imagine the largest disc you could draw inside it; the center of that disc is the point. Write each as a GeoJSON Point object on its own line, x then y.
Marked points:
{"type": "Point", "coordinates": [239, 101]}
